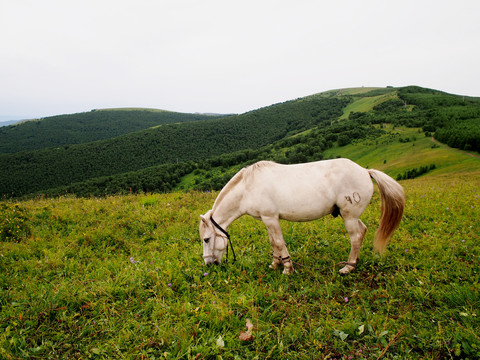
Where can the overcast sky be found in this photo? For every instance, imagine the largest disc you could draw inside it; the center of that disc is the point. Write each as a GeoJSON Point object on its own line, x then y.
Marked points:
{"type": "Point", "coordinates": [67, 56]}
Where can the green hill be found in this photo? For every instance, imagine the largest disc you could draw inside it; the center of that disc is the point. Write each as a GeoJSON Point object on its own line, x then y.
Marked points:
{"type": "Point", "coordinates": [41, 170]}
{"type": "Point", "coordinates": [61, 130]}
{"type": "Point", "coordinates": [378, 127]}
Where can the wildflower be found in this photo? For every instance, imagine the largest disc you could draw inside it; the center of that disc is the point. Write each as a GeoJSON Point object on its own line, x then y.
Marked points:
{"type": "Point", "coordinates": [169, 284]}
{"type": "Point", "coordinates": [132, 260]}
{"type": "Point", "coordinates": [346, 299]}
{"type": "Point", "coordinates": [205, 274]}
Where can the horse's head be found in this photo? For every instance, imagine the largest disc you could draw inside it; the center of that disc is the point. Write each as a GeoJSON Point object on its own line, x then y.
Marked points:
{"type": "Point", "coordinates": [214, 243]}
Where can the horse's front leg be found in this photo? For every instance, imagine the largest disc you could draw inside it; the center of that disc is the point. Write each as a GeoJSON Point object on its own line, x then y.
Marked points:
{"type": "Point", "coordinates": [280, 252]}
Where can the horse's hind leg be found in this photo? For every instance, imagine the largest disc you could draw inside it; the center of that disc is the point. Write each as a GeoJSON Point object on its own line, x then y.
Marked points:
{"type": "Point", "coordinates": [280, 252]}
{"type": "Point", "coordinates": [356, 230]}
{"type": "Point", "coordinates": [277, 258]}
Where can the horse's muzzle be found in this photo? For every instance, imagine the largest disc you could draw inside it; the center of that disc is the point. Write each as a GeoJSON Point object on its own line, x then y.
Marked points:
{"type": "Point", "coordinates": [211, 260]}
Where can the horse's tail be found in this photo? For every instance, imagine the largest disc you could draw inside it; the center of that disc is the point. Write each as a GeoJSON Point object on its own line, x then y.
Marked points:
{"type": "Point", "coordinates": [393, 203]}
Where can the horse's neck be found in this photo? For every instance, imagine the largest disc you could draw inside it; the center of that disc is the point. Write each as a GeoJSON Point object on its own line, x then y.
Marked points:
{"type": "Point", "coordinates": [227, 208]}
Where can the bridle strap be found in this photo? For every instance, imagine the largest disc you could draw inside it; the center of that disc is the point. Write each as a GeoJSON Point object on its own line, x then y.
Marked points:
{"type": "Point", "coordinates": [220, 228]}
{"type": "Point", "coordinates": [227, 235]}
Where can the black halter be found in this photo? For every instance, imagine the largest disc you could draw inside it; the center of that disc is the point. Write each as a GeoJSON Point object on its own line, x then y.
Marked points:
{"type": "Point", "coordinates": [228, 237]}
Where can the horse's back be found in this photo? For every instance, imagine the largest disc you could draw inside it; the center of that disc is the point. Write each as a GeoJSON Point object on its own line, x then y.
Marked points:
{"type": "Point", "coordinates": [333, 174]}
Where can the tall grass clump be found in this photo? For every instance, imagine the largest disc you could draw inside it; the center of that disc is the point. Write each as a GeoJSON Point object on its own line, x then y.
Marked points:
{"type": "Point", "coordinates": [13, 222]}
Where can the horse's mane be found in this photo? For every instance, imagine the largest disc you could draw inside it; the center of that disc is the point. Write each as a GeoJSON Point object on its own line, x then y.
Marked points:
{"type": "Point", "coordinates": [241, 176]}
{"type": "Point", "coordinates": [259, 165]}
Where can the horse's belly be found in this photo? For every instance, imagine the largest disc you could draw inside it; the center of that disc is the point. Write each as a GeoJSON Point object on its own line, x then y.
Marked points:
{"type": "Point", "coordinates": [290, 206]}
{"type": "Point", "coordinates": [295, 203]}
{"type": "Point", "coordinates": [306, 210]}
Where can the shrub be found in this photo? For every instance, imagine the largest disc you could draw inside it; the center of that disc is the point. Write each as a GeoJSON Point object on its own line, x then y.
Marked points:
{"type": "Point", "coordinates": [414, 173]}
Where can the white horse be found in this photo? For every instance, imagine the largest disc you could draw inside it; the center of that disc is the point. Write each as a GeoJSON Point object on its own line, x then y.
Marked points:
{"type": "Point", "coordinates": [302, 192]}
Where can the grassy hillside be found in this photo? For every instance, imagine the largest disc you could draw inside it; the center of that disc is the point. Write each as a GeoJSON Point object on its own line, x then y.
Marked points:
{"type": "Point", "coordinates": [366, 103]}
{"type": "Point", "coordinates": [402, 149]}
{"type": "Point", "coordinates": [61, 130]}
{"type": "Point", "coordinates": [122, 277]}
{"type": "Point", "coordinates": [396, 152]}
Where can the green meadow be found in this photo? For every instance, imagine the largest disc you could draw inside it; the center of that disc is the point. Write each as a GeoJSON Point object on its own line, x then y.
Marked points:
{"type": "Point", "coordinates": [414, 149]}
{"type": "Point", "coordinates": [122, 277]}
{"type": "Point", "coordinates": [366, 104]}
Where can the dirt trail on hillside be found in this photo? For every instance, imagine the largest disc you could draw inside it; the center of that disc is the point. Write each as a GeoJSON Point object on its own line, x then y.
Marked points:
{"type": "Point", "coordinates": [453, 149]}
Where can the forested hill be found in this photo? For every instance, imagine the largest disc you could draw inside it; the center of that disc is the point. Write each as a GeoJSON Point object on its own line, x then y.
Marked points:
{"type": "Point", "coordinates": [56, 131]}
{"type": "Point", "coordinates": [208, 152]}
{"type": "Point", "coordinates": [34, 171]}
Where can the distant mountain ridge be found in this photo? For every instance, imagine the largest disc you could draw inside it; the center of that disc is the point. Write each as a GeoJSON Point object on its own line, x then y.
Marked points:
{"type": "Point", "coordinates": [8, 122]}
{"type": "Point", "coordinates": [60, 130]}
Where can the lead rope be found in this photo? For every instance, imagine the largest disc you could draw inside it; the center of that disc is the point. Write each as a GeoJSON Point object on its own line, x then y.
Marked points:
{"type": "Point", "coordinates": [228, 237]}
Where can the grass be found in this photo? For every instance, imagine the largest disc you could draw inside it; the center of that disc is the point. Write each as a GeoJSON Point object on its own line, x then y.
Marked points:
{"type": "Point", "coordinates": [122, 277]}
{"type": "Point", "coordinates": [388, 154]}
{"type": "Point", "coordinates": [365, 104]}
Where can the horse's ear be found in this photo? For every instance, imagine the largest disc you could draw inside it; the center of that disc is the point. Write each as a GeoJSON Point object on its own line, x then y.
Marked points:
{"type": "Point", "coordinates": [204, 219]}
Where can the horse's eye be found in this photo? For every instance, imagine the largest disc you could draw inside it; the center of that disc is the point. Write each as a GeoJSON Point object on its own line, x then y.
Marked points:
{"type": "Point", "coordinates": [206, 240]}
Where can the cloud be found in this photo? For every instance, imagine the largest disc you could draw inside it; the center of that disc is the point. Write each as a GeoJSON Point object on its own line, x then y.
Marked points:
{"type": "Point", "coordinates": [219, 56]}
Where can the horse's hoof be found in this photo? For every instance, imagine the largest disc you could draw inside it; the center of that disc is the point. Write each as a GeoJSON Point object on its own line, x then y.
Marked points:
{"type": "Point", "coordinates": [288, 271]}
{"type": "Point", "coordinates": [346, 269]}
{"type": "Point", "coordinates": [274, 266]}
